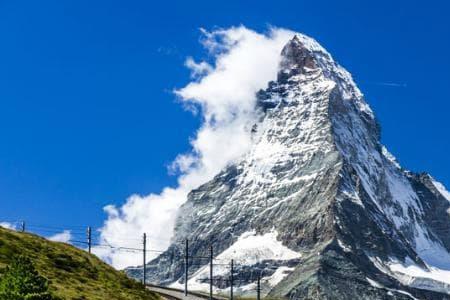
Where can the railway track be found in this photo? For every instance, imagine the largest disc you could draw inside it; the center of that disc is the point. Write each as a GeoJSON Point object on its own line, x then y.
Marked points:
{"type": "Point", "coordinates": [177, 294]}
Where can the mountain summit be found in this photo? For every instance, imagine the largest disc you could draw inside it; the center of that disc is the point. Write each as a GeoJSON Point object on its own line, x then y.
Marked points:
{"type": "Point", "coordinates": [318, 206]}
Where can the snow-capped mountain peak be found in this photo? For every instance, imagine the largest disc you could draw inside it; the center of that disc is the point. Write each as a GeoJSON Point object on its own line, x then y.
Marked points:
{"type": "Point", "coordinates": [316, 173]}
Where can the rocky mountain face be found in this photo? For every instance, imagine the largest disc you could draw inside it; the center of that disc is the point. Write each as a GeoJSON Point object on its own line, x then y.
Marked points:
{"type": "Point", "coordinates": [318, 207]}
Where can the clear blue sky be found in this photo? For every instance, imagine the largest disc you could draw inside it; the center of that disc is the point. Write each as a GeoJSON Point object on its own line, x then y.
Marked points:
{"type": "Point", "coordinates": [86, 111]}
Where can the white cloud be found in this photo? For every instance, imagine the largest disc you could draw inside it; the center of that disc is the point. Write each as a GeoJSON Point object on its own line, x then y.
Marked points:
{"type": "Point", "coordinates": [63, 237]}
{"type": "Point", "coordinates": [198, 69]}
{"type": "Point", "coordinates": [8, 225]}
{"type": "Point", "coordinates": [244, 61]}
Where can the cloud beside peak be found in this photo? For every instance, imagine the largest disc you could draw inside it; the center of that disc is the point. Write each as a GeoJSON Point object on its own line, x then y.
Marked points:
{"type": "Point", "coordinates": [8, 225]}
{"type": "Point", "coordinates": [243, 62]}
{"type": "Point", "coordinates": [63, 237]}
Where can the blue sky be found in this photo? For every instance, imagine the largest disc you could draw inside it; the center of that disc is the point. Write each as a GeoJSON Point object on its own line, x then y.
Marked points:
{"type": "Point", "coordinates": [87, 113]}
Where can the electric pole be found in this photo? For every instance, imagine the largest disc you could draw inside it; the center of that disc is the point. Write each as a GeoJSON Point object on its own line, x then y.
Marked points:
{"type": "Point", "coordinates": [145, 252]}
{"type": "Point", "coordinates": [231, 279]}
{"type": "Point", "coordinates": [89, 238]}
{"type": "Point", "coordinates": [186, 266]}
{"type": "Point", "coordinates": [211, 272]}
{"type": "Point", "coordinates": [258, 288]}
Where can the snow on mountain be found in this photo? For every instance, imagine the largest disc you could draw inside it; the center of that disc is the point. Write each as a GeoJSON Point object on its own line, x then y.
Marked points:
{"type": "Point", "coordinates": [249, 249]}
{"type": "Point", "coordinates": [388, 155]}
{"type": "Point", "coordinates": [316, 181]}
{"type": "Point", "coordinates": [441, 188]}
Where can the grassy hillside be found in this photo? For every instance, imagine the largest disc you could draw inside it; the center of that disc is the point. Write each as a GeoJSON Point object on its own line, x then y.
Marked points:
{"type": "Point", "coordinates": [72, 273]}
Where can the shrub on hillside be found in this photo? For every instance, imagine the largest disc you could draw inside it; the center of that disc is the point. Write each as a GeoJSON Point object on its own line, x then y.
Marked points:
{"type": "Point", "coordinates": [21, 281]}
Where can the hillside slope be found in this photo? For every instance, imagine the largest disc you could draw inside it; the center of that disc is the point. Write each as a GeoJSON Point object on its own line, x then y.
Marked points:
{"type": "Point", "coordinates": [72, 273]}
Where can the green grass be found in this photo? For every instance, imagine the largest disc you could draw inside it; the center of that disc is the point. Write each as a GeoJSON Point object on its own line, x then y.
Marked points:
{"type": "Point", "coordinates": [73, 274]}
